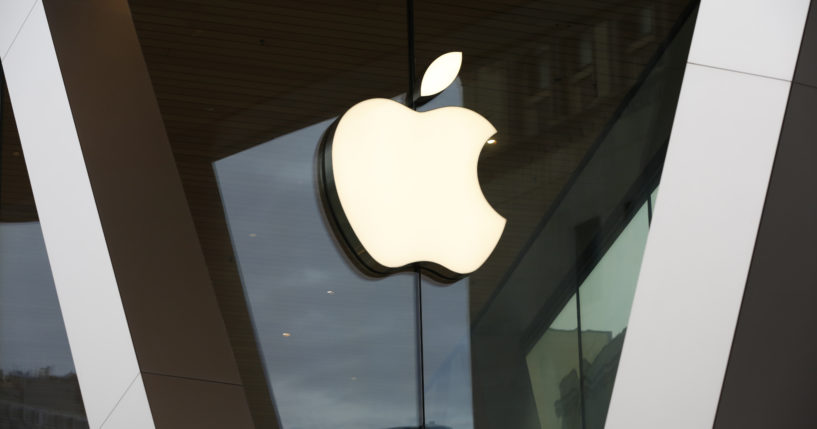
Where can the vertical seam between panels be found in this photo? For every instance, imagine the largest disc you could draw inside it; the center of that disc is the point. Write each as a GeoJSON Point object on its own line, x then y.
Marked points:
{"type": "Point", "coordinates": [418, 295]}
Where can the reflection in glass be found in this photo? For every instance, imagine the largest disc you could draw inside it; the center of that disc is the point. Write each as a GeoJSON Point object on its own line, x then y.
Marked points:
{"type": "Point", "coordinates": [553, 362]}
{"type": "Point", "coordinates": [339, 348]}
{"type": "Point", "coordinates": [583, 97]}
{"type": "Point", "coordinates": [553, 365]}
{"type": "Point", "coordinates": [38, 386]}
{"type": "Point", "coordinates": [606, 297]}
{"type": "Point", "coordinates": [447, 355]}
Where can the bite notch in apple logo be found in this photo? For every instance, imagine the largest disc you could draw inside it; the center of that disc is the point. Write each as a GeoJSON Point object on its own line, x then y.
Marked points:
{"type": "Point", "coordinates": [400, 187]}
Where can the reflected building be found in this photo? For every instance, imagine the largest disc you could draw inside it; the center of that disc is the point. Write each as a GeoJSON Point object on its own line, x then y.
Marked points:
{"type": "Point", "coordinates": [40, 401]}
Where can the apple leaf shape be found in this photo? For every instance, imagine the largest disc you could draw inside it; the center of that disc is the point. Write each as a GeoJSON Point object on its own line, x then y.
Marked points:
{"type": "Point", "coordinates": [441, 73]}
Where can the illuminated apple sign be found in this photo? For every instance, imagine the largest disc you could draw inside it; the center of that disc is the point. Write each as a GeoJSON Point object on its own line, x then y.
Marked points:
{"type": "Point", "coordinates": [401, 186]}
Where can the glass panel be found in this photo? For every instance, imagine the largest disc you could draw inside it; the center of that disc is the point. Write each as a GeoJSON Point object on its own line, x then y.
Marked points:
{"type": "Point", "coordinates": [331, 339]}
{"type": "Point", "coordinates": [447, 355]}
{"type": "Point", "coordinates": [246, 90]}
{"type": "Point", "coordinates": [553, 367]}
{"type": "Point", "coordinates": [38, 384]}
{"type": "Point", "coordinates": [606, 297]}
{"type": "Point", "coordinates": [583, 97]}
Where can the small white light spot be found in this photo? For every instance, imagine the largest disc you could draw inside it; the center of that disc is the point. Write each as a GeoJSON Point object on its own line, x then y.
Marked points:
{"type": "Point", "coordinates": [491, 141]}
{"type": "Point", "coordinates": [286, 334]}
{"type": "Point", "coordinates": [330, 292]}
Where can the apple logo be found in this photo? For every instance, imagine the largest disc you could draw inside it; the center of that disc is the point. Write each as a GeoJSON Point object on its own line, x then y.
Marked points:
{"type": "Point", "coordinates": [401, 188]}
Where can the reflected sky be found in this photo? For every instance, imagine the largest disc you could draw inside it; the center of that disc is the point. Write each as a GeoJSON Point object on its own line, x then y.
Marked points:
{"type": "Point", "coordinates": [32, 334]}
{"type": "Point", "coordinates": [38, 380]}
{"type": "Point", "coordinates": [447, 355]}
{"type": "Point", "coordinates": [349, 358]}
{"type": "Point", "coordinates": [339, 348]}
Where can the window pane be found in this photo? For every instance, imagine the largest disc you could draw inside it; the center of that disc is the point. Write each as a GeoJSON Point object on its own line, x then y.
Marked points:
{"type": "Point", "coordinates": [606, 297]}
{"type": "Point", "coordinates": [338, 348]}
{"type": "Point", "coordinates": [246, 90]}
{"type": "Point", "coordinates": [583, 97]}
{"type": "Point", "coordinates": [553, 365]}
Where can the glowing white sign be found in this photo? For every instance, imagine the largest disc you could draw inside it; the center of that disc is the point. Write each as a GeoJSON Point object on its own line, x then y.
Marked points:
{"type": "Point", "coordinates": [402, 185]}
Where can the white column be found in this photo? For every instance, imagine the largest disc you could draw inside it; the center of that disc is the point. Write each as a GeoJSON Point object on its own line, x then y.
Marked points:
{"type": "Point", "coordinates": [92, 309]}
{"type": "Point", "coordinates": [143, 321]}
{"type": "Point", "coordinates": [707, 214]}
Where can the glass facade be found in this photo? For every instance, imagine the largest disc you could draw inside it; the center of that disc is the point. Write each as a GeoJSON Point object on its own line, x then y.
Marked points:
{"type": "Point", "coordinates": [38, 383]}
{"type": "Point", "coordinates": [313, 312]}
{"type": "Point", "coordinates": [583, 100]}
{"type": "Point", "coordinates": [582, 94]}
